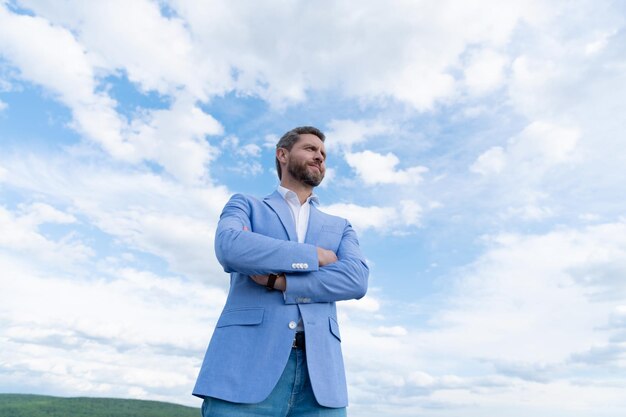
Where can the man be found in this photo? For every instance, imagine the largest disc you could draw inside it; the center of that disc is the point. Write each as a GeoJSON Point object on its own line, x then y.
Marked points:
{"type": "Point", "coordinates": [276, 348]}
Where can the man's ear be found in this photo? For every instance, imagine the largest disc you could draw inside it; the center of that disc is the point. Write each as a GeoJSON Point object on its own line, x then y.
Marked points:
{"type": "Point", "coordinates": [281, 155]}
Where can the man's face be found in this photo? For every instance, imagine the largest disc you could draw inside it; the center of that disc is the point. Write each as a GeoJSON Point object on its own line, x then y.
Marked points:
{"type": "Point", "coordinates": [306, 160]}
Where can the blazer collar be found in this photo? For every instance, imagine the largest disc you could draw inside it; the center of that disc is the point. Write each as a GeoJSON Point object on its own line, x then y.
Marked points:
{"type": "Point", "coordinates": [280, 207]}
{"type": "Point", "coordinates": [284, 192]}
{"type": "Point", "coordinates": [315, 225]}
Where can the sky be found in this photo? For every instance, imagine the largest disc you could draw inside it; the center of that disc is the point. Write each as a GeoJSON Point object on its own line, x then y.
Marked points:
{"type": "Point", "coordinates": [476, 147]}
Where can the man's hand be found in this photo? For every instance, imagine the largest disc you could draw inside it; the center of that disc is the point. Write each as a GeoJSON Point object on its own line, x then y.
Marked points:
{"type": "Point", "coordinates": [280, 284]}
{"type": "Point", "coordinates": [326, 256]}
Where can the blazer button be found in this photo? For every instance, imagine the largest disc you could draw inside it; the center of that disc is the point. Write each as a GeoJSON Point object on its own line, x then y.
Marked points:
{"type": "Point", "coordinates": [294, 266]}
{"type": "Point", "coordinates": [292, 325]}
{"type": "Point", "coordinates": [305, 266]}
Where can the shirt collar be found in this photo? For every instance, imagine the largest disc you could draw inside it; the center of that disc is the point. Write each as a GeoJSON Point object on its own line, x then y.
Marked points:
{"type": "Point", "coordinates": [291, 195]}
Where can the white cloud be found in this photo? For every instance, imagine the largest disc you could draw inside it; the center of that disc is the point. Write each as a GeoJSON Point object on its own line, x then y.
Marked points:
{"type": "Point", "coordinates": [3, 173]}
{"type": "Point", "coordinates": [491, 161]}
{"type": "Point", "coordinates": [270, 141]}
{"type": "Point", "coordinates": [233, 143]}
{"type": "Point", "coordinates": [367, 304]}
{"type": "Point", "coordinates": [551, 143]}
{"type": "Point", "coordinates": [3, 105]}
{"type": "Point", "coordinates": [5, 86]}
{"type": "Point", "coordinates": [537, 148]}
{"type": "Point", "coordinates": [39, 213]}
{"type": "Point", "coordinates": [484, 71]}
{"type": "Point", "coordinates": [528, 211]}
{"type": "Point", "coordinates": [247, 168]}
{"type": "Point", "coordinates": [155, 52]}
{"type": "Point", "coordinates": [374, 168]}
{"type": "Point", "coordinates": [175, 138]}
{"type": "Point", "coordinates": [21, 235]}
{"type": "Point", "coordinates": [156, 215]}
{"type": "Point", "coordinates": [393, 331]}
{"type": "Point", "coordinates": [599, 43]}
{"type": "Point", "coordinates": [566, 83]}
{"type": "Point", "coordinates": [391, 219]}
{"type": "Point", "coordinates": [520, 173]}
{"type": "Point", "coordinates": [533, 326]}
{"type": "Point", "coordinates": [363, 218]}
{"type": "Point", "coordinates": [199, 49]}
{"type": "Point", "coordinates": [573, 76]}
{"type": "Point", "coordinates": [251, 149]}
{"type": "Point", "coordinates": [122, 333]}
{"type": "Point", "coordinates": [410, 212]}
{"type": "Point", "coordinates": [245, 156]}
{"type": "Point", "coordinates": [49, 55]}
{"type": "Point", "coordinates": [537, 299]}
{"type": "Point", "coordinates": [344, 134]}
{"type": "Point", "coordinates": [66, 72]}
{"type": "Point", "coordinates": [525, 318]}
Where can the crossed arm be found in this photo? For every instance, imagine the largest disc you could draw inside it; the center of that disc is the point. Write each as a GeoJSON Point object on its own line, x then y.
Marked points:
{"type": "Point", "coordinates": [324, 257]}
{"type": "Point", "coordinates": [329, 276]}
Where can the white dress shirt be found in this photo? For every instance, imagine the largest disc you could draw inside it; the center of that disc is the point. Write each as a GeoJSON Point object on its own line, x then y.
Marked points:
{"type": "Point", "coordinates": [300, 214]}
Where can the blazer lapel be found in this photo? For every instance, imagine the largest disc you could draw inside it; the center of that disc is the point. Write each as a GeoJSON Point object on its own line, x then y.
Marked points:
{"type": "Point", "coordinates": [315, 226]}
{"type": "Point", "coordinates": [280, 207]}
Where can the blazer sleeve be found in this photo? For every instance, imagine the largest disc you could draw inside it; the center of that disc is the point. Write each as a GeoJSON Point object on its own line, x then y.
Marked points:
{"type": "Point", "coordinates": [238, 249]}
{"type": "Point", "coordinates": [345, 279]}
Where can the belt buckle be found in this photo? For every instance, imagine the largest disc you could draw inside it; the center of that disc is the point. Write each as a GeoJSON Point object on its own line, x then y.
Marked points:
{"type": "Point", "coordinates": [298, 343]}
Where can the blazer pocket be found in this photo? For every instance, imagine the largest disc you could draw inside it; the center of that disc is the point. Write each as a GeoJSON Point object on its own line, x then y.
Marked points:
{"type": "Point", "coordinates": [241, 317]}
{"type": "Point", "coordinates": [334, 328]}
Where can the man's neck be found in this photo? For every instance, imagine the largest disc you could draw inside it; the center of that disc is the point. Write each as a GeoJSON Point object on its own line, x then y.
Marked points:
{"type": "Point", "coordinates": [303, 191]}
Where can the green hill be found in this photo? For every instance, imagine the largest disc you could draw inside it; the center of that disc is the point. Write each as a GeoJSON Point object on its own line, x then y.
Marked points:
{"type": "Point", "coordinates": [25, 405]}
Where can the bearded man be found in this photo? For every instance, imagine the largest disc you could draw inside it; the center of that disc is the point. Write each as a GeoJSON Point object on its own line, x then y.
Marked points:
{"type": "Point", "coordinates": [276, 348]}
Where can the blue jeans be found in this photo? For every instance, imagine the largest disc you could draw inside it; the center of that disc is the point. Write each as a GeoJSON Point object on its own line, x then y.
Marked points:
{"type": "Point", "coordinates": [291, 397]}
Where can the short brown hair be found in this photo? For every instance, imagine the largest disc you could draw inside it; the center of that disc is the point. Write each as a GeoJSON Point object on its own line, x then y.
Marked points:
{"type": "Point", "coordinates": [290, 138]}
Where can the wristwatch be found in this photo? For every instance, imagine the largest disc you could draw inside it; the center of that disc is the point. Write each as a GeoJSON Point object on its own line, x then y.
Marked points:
{"type": "Point", "coordinates": [271, 281]}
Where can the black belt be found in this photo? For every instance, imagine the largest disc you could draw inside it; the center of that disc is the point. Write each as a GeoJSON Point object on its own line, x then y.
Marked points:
{"type": "Point", "coordinates": [298, 341]}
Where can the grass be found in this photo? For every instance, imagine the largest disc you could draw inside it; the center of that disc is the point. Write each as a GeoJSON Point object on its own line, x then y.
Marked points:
{"type": "Point", "coordinates": [26, 405]}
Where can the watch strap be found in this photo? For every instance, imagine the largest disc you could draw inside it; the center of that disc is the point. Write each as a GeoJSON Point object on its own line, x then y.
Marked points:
{"type": "Point", "coordinates": [271, 281]}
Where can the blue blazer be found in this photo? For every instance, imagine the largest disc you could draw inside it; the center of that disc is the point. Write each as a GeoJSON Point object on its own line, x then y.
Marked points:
{"type": "Point", "coordinates": [253, 336]}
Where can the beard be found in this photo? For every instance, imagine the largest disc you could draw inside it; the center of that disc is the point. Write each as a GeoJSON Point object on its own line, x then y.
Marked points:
{"type": "Point", "coordinates": [301, 172]}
